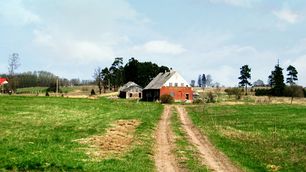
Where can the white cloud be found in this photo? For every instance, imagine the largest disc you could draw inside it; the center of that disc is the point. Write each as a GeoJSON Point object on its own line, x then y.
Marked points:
{"type": "Point", "coordinates": [71, 49]}
{"type": "Point", "coordinates": [15, 13]}
{"type": "Point", "coordinates": [160, 47]}
{"type": "Point", "coordinates": [287, 15]}
{"type": "Point", "coordinates": [238, 3]}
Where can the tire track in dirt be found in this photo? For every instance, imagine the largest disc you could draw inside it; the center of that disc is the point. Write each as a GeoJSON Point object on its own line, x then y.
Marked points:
{"type": "Point", "coordinates": [163, 156]}
{"type": "Point", "coordinates": [210, 156]}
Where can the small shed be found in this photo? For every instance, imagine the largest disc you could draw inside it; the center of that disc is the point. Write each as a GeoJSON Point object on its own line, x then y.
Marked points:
{"type": "Point", "coordinates": [130, 90]}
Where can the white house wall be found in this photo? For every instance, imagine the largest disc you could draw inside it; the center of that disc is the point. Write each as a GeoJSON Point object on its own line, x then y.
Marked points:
{"type": "Point", "coordinates": [177, 78]}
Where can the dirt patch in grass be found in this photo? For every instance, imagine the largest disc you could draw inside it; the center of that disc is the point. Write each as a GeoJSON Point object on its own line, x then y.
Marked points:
{"type": "Point", "coordinates": [116, 141]}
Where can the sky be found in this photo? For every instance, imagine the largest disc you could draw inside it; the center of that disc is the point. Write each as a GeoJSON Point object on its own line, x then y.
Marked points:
{"type": "Point", "coordinates": [71, 38]}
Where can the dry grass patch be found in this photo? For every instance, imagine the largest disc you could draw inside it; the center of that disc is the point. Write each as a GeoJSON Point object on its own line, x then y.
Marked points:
{"type": "Point", "coordinates": [230, 132]}
{"type": "Point", "coordinates": [116, 141]}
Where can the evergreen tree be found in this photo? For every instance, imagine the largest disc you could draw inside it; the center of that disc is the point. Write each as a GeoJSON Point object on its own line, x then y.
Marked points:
{"type": "Point", "coordinates": [200, 81]}
{"type": "Point", "coordinates": [192, 83]}
{"type": "Point", "coordinates": [203, 81]}
{"type": "Point", "coordinates": [244, 77]}
{"type": "Point", "coordinates": [277, 81]}
{"type": "Point", "coordinates": [292, 75]}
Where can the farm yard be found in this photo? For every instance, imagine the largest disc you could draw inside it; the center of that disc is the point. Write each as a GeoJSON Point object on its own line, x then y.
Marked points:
{"type": "Point", "coordinates": [64, 134]}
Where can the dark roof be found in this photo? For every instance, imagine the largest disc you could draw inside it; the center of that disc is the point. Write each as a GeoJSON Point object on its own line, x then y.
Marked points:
{"type": "Point", "coordinates": [160, 80]}
{"type": "Point", "coordinates": [129, 85]}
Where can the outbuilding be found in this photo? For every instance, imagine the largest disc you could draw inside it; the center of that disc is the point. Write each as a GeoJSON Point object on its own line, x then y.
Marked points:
{"type": "Point", "coordinates": [3, 81]}
{"type": "Point", "coordinates": [171, 83]}
{"type": "Point", "coordinates": [130, 90]}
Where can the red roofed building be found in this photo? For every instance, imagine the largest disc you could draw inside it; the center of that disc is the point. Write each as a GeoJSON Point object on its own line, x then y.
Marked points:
{"type": "Point", "coordinates": [3, 81]}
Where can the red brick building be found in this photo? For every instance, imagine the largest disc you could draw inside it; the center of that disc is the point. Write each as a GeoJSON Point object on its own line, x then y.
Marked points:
{"type": "Point", "coordinates": [171, 83]}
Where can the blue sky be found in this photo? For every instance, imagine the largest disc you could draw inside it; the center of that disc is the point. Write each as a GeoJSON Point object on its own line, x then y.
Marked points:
{"type": "Point", "coordinates": [72, 37]}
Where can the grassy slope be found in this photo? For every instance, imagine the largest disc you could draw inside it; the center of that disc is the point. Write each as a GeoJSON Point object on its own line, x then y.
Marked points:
{"type": "Point", "coordinates": [37, 133]}
{"type": "Point", "coordinates": [186, 153]}
{"type": "Point", "coordinates": [259, 137]}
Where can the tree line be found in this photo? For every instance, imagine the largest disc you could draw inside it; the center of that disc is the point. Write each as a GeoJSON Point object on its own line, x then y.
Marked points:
{"type": "Point", "coordinates": [276, 82]}
{"type": "Point", "coordinates": [34, 79]}
{"type": "Point", "coordinates": [118, 74]}
{"type": "Point", "coordinates": [204, 81]}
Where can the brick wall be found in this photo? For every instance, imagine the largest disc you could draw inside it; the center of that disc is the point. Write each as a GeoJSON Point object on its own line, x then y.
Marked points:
{"type": "Point", "coordinates": [178, 93]}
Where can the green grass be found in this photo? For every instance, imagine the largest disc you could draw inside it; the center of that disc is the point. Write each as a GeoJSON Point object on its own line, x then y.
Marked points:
{"type": "Point", "coordinates": [37, 133]}
{"type": "Point", "coordinates": [31, 90]}
{"type": "Point", "coordinates": [186, 152]}
{"type": "Point", "coordinates": [257, 137]}
{"type": "Point", "coordinates": [40, 90]}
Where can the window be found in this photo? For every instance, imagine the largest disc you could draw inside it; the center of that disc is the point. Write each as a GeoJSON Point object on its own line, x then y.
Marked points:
{"type": "Point", "coordinates": [187, 96]}
{"type": "Point", "coordinates": [182, 84]}
{"type": "Point", "coordinates": [172, 94]}
{"type": "Point", "coordinates": [176, 84]}
{"type": "Point", "coordinates": [170, 84]}
{"type": "Point", "coordinates": [131, 95]}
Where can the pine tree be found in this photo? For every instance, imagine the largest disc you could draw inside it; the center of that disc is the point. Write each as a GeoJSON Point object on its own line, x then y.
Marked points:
{"type": "Point", "coordinates": [244, 77]}
{"type": "Point", "coordinates": [292, 75]}
{"type": "Point", "coordinates": [203, 81]}
{"type": "Point", "coordinates": [200, 81]}
{"type": "Point", "coordinates": [277, 81]}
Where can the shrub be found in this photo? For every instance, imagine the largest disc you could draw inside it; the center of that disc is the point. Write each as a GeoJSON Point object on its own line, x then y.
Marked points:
{"type": "Point", "coordinates": [92, 93]}
{"type": "Point", "coordinates": [293, 91]}
{"type": "Point", "coordinates": [210, 97]}
{"type": "Point", "coordinates": [234, 91]}
{"type": "Point", "coordinates": [304, 92]}
{"type": "Point", "coordinates": [198, 101]}
{"type": "Point", "coordinates": [263, 92]}
{"type": "Point", "coordinates": [166, 98]}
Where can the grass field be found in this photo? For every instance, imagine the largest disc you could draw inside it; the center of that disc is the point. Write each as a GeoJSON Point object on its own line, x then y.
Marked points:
{"type": "Point", "coordinates": [41, 90]}
{"type": "Point", "coordinates": [258, 137]}
{"type": "Point", "coordinates": [39, 133]}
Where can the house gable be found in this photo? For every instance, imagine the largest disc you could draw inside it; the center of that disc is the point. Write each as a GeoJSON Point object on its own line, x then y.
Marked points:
{"type": "Point", "coordinates": [176, 80]}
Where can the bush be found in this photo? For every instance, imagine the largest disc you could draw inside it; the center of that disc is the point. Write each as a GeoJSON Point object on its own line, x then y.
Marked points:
{"type": "Point", "coordinates": [304, 92]}
{"type": "Point", "coordinates": [294, 91]}
{"type": "Point", "coordinates": [166, 98]}
{"type": "Point", "coordinates": [210, 97]}
{"type": "Point", "coordinates": [234, 91]}
{"type": "Point", "coordinates": [198, 101]}
{"type": "Point", "coordinates": [92, 93]}
{"type": "Point", "coordinates": [263, 92]}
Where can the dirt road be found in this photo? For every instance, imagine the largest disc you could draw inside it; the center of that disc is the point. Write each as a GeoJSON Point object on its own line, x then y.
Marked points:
{"type": "Point", "coordinates": [210, 156]}
{"type": "Point", "coordinates": [164, 159]}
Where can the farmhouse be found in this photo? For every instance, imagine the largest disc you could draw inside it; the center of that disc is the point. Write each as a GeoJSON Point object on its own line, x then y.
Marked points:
{"type": "Point", "coordinates": [171, 83]}
{"type": "Point", "coordinates": [130, 91]}
{"type": "Point", "coordinates": [3, 81]}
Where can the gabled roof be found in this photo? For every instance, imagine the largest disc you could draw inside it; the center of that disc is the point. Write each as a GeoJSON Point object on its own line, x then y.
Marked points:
{"type": "Point", "coordinates": [160, 80]}
{"type": "Point", "coordinates": [129, 85]}
{"type": "Point", "coordinates": [3, 81]}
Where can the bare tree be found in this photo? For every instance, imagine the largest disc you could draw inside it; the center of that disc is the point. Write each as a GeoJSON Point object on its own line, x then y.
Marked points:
{"type": "Point", "coordinates": [98, 78]}
{"type": "Point", "coordinates": [13, 63]}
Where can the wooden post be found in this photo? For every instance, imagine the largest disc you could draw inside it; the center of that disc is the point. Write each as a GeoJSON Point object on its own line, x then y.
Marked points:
{"type": "Point", "coordinates": [56, 87]}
